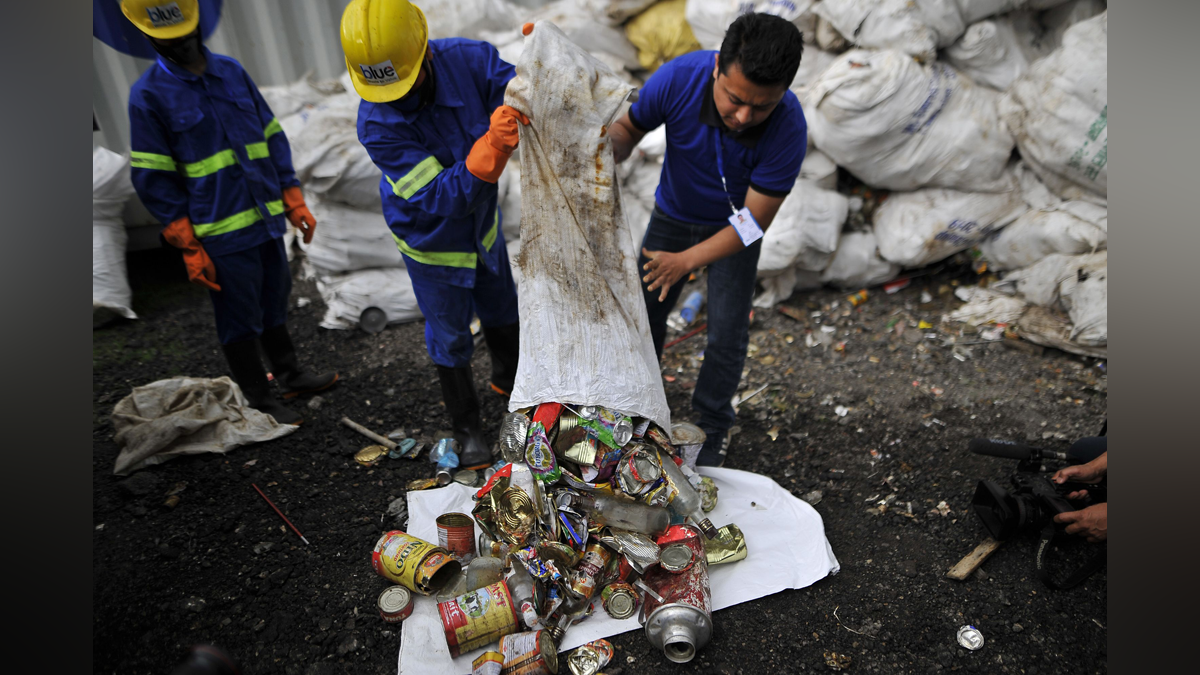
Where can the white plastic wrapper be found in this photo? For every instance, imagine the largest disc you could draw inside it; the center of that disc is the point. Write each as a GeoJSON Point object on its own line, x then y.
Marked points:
{"type": "Point", "coordinates": [902, 126]}
{"type": "Point", "coordinates": [585, 335]}
{"type": "Point", "coordinates": [785, 540]}
{"type": "Point", "coordinates": [1058, 112]}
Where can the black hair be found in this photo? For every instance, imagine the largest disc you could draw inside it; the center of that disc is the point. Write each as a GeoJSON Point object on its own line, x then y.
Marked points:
{"type": "Point", "coordinates": [766, 47]}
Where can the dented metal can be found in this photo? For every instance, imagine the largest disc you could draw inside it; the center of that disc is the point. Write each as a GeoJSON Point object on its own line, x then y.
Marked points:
{"type": "Point", "coordinates": [532, 653]}
{"type": "Point", "coordinates": [395, 604]}
{"type": "Point", "coordinates": [514, 431]}
{"type": "Point", "coordinates": [687, 439]}
{"type": "Point", "coordinates": [590, 658]}
{"type": "Point", "coordinates": [677, 613]}
{"type": "Point", "coordinates": [477, 618]}
{"type": "Point", "coordinates": [587, 573]}
{"type": "Point", "coordinates": [620, 600]}
{"type": "Point", "coordinates": [456, 534]}
{"type": "Point", "coordinates": [970, 637]}
{"type": "Point", "coordinates": [413, 563]}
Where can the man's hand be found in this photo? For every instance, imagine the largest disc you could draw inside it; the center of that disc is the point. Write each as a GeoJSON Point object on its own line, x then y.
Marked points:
{"type": "Point", "coordinates": [1091, 472]}
{"type": "Point", "coordinates": [1091, 523]}
{"type": "Point", "coordinates": [665, 270]}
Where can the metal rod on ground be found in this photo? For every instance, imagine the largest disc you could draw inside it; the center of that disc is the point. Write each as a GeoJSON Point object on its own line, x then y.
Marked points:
{"type": "Point", "coordinates": [285, 518]}
{"type": "Point", "coordinates": [677, 340]}
{"type": "Point", "coordinates": [385, 442]}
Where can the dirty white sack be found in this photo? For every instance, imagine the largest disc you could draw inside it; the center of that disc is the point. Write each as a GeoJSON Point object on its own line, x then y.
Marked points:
{"type": "Point", "coordinates": [615, 12]}
{"type": "Point", "coordinates": [1076, 284]}
{"type": "Point", "coordinates": [111, 188]}
{"type": "Point", "coordinates": [857, 263]}
{"type": "Point", "coordinates": [1069, 228]}
{"type": "Point", "coordinates": [585, 335]}
{"type": "Point", "coordinates": [347, 295]}
{"type": "Point", "coordinates": [328, 158]}
{"type": "Point", "coordinates": [990, 54]}
{"type": "Point", "coordinates": [917, 228]}
{"type": "Point", "coordinates": [1058, 112]}
{"type": "Point", "coordinates": [785, 541]}
{"type": "Point", "coordinates": [288, 99]}
{"type": "Point", "coordinates": [780, 287]}
{"type": "Point", "coordinates": [819, 169]}
{"type": "Point", "coordinates": [577, 24]}
{"type": "Point", "coordinates": [902, 126]}
{"type": "Point", "coordinates": [805, 231]}
{"type": "Point", "coordinates": [186, 416]}
{"type": "Point", "coordinates": [986, 305]}
{"type": "Point", "coordinates": [467, 18]}
{"type": "Point", "coordinates": [349, 239]}
{"type": "Point", "coordinates": [882, 24]}
{"type": "Point", "coordinates": [710, 18]}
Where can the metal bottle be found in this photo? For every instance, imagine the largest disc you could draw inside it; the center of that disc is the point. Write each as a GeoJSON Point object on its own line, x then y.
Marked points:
{"type": "Point", "coordinates": [677, 612]}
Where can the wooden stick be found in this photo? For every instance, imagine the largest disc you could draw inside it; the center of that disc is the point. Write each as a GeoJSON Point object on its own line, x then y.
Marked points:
{"type": "Point", "coordinates": [385, 442]}
{"type": "Point", "coordinates": [973, 559]}
{"type": "Point", "coordinates": [285, 518]}
{"type": "Point", "coordinates": [677, 340]}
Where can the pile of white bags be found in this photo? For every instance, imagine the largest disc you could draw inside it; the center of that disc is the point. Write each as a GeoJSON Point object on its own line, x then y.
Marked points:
{"type": "Point", "coordinates": [111, 188]}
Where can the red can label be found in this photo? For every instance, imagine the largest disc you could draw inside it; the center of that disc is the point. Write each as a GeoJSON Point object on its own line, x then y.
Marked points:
{"type": "Point", "coordinates": [477, 618]}
{"type": "Point", "coordinates": [456, 534]}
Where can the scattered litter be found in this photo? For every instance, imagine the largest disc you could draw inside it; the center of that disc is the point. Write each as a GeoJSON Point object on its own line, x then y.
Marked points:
{"type": "Point", "coordinates": [302, 302]}
{"type": "Point", "coordinates": [837, 661]}
{"type": "Point", "coordinates": [841, 410]}
{"type": "Point", "coordinates": [970, 637]}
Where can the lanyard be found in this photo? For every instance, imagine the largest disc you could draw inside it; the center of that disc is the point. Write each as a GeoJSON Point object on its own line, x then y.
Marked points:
{"type": "Point", "coordinates": [721, 171]}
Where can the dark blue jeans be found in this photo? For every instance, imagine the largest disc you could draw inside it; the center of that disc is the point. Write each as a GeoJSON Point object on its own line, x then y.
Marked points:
{"type": "Point", "coordinates": [730, 290]}
{"type": "Point", "coordinates": [255, 285]}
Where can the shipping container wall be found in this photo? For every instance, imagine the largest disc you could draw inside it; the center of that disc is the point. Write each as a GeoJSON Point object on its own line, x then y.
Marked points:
{"type": "Point", "coordinates": [277, 41]}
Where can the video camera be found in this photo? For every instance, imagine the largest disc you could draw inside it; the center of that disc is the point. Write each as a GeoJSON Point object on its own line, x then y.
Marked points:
{"type": "Point", "coordinates": [1034, 500]}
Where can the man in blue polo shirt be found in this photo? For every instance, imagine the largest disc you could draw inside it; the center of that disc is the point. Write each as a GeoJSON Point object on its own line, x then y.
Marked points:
{"type": "Point", "coordinates": [735, 140]}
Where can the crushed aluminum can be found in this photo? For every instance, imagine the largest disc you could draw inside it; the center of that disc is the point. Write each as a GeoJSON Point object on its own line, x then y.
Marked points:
{"type": "Point", "coordinates": [728, 546]}
{"type": "Point", "coordinates": [638, 472]}
{"type": "Point", "coordinates": [532, 653]}
{"type": "Point", "coordinates": [563, 557]}
{"type": "Point", "coordinates": [574, 528]}
{"type": "Point", "coordinates": [488, 663]}
{"type": "Point", "coordinates": [708, 494]}
{"type": "Point", "coordinates": [837, 661]}
{"type": "Point", "coordinates": [578, 444]}
{"type": "Point", "coordinates": [639, 429]}
{"type": "Point", "coordinates": [515, 517]}
{"type": "Point", "coordinates": [371, 455]}
{"type": "Point", "coordinates": [466, 477]}
{"type": "Point", "coordinates": [540, 456]}
{"type": "Point", "coordinates": [640, 550]}
{"type": "Point", "coordinates": [456, 534]}
{"type": "Point", "coordinates": [395, 604]}
{"type": "Point", "coordinates": [611, 428]}
{"type": "Point", "coordinates": [586, 574]}
{"type": "Point", "coordinates": [658, 437]}
{"type": "Point", "coordinates": [477, 618]}
{"type": "Point", "coordinates": [688, 439]}
{"type": "Point", "coordinates": [590, 658]}
{"type": "Point", "coordinates": [970, 637]}
{"type": "Point", "coordinates": [677, 557]}
{"type": "Point", "coordinates": [537, 568]}
{"type": "Point", "coordinates": [587, 412]}
{"type": "Point", "coordinates": [620, 600]}
{"type": "Point", "coordinates": [414, 563]}
{"type": "Point", "coordinates": [422, 484]}
{"type": "Point", "coordinates": [514, 432]}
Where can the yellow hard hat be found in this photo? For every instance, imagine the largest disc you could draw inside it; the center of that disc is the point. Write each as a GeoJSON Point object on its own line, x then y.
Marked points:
{"type": "Point", "coordinates": [163, 19]}
{"type": "Point", "coordinates": [384, 42]}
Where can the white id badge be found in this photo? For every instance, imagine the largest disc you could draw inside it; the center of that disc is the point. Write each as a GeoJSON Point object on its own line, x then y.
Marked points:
{"type": "Point", "coordinates": [747, 228]}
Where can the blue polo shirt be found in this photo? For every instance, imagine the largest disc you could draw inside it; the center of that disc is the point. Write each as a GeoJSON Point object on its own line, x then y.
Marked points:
{"type": "Point", "coordinates": [766, 157]}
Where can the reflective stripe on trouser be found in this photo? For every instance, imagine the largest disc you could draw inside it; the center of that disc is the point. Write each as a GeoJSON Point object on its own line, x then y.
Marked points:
{"type": "Point", "coordinates": [237, 221]}
{"type": "Point", "coordinates": [451, 258]}
{"type": "Point", "coordinates": [448, 310]}
{"type": "Point", "coordinates": [255, 285]}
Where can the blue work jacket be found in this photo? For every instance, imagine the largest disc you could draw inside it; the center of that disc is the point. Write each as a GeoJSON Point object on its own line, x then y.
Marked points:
{"type": "Point", "coordinates": [444, 219]}
{"type": "Point", "coordinates": [209, 148]}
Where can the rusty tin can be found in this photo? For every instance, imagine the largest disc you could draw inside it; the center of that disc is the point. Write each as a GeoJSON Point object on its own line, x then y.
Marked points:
{"type": "Point", "coordinates": [587, 573]}
{"type": "Point", "coordinates": [477, 618]}
{"type": "Point", "coordinates": [688, 439]}
{"type": "Point", "coordinates": [413, 563]}
{"type": "Point", "coordinates": [677, 612]}
{"type": "Point", "coordinates": [620, 600]}
{"type": "Point", "coordinates": [488, 663]}
{"type": "Point", "coordinates": [395, 604]}
{"type": "Point", "coordinates": [532, 653]}
{"type": "Point", "coordinates": [456, 534]}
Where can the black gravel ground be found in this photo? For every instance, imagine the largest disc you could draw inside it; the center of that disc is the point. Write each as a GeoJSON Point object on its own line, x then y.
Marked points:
{"type": "Point", "coordinates": [219, 567]}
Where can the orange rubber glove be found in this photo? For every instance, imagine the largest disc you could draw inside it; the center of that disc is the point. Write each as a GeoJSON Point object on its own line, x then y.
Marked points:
{"type": "Point", "coordinates": [490, 153]}
{"type": "Point", "coordinates": [200, 267]}
{"type": "Point", "coordinates": [297, 212]}
{"type": "Point", "coordinates": [527, 29]}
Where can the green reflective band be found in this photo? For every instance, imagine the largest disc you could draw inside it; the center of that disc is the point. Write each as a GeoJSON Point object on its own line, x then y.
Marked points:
{"type": "Point", "coordinates": [416, 179]}
{"type": "Point", "coordinates": [209, 165]}
{"type": "Point", "coordinates": [149, 160]}
{"type": "Point", "coordinates": [272, 128]}
{"type": "Point", "coordinates": [237, 221]}
{"type": "Point", "coordinates": [490, 237]}
{"type": "Point", "coordinates": [258, 150]}
{"type": "Point", "coordinates": [443, 258]}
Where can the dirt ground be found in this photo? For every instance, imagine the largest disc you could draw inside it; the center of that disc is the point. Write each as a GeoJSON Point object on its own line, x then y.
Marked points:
{"type": "Point", "coordinates": [220, 567]}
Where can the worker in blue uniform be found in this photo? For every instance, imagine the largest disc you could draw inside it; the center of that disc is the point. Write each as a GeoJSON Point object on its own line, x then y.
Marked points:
{"type": "Point", "coordinates": [433, 120]}
{"type": "Point", "coordinates": [210, 160]}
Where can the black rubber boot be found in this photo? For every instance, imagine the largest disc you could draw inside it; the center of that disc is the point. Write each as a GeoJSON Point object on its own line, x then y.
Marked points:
{"type": "Point", "coordinates": [293, 381]}
{"type": "Point", "coordinates": [247, 368]}
{"type": "Point", "coordinates": [503, 344]}
{"type": "Point", "coordinates": [458, 391]}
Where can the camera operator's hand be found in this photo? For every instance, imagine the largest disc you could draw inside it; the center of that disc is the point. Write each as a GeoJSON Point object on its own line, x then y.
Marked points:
{"type": "Point", "coordinates": [1091, 523]}
{"type": "Point", "coordinates": [1091, 472]}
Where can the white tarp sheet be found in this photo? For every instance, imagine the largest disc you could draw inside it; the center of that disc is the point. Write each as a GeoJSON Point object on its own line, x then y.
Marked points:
{"type": "Point", "coordinates": [785, 543]}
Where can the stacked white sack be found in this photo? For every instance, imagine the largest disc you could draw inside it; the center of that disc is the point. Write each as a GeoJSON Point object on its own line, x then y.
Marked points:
{"type": "Point", "coordinates": [710, 18]}
{"type": "Point", "coordinates": [898, 125]}
{"type": "Point", "coordinates": [111, 188]}
{"type": "Point", "coordinates": [1058, 112]}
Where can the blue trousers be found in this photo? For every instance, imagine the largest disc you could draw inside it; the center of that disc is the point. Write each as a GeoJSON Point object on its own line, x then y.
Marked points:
{"type": "Point", "coordinates": [730, 290]}
{"type": "Point", "coordinates": [448, 310]}
{"type": "Point", "coordinates": [255, 285]}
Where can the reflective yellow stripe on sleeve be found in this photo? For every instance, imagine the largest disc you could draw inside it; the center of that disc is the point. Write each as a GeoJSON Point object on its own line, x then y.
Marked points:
{"type": "Point", "coordinates": [416, 179]}
{"type": "Point", "coordinates": [237, 221]}
{"type": "Point", "coordinates": [443, 258]}
{"type": "Point", "coordinates": [209, 165]}
{"type": "Point", "coordinates": [149, 160]}
{"type": "Point", "coordinates": [272, 128]}
{"type": "Point", "coordinates": [490, 237]}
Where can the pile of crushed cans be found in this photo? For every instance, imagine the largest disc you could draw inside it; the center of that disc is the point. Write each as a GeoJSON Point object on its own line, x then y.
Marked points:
{"type": "Point", "coordinates": [586, 504]}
